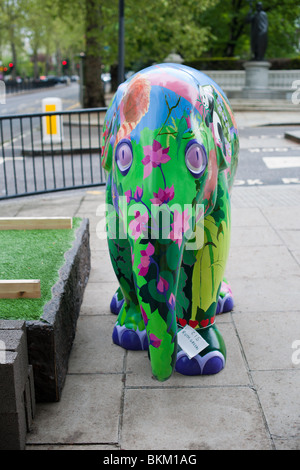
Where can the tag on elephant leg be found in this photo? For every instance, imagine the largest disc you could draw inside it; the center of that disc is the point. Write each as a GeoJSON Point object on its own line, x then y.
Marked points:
{"type": "Point", "coordinates": [190, 341]}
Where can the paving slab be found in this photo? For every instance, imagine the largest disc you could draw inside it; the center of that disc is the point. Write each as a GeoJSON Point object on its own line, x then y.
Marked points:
{"type": "Point", "coordinates": [193, 419]}
{"type": "Point", "coordinates": [101, 268]}
{"type": "Point", "coordinates": [97, 298]}
{"type": "Point", "coordinates": [278, 392]}
{"type": "Point", "coordinates": [252, 217]}
{"type": "Point", "coordinates": [93, 350]}
{"type": "Point", "coordinates": [252, 236]}
{"type": "Point", "coordinates": [262, 261]}
{"type": "Point", "coordinates": [267, 340]}
{"type": "Point", "coordinates": [265, 294]}
{"type": "Point", "coordinates": [284, 218]}
{"type": "Point", "coordinates": [87, 413]}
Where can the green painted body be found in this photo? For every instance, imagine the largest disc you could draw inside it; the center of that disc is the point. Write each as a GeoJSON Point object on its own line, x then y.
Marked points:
{"type": "Point", "coordinates": [168, 227]}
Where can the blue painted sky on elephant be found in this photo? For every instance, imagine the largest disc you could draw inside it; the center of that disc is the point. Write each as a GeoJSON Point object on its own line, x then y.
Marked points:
{"type": "Point", "coordinates": [162, 100]}
{"type": "Point", "coordinates": [180, 73]}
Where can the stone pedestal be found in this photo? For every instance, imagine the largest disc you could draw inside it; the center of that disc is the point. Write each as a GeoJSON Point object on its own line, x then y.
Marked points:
{"type": "Point", "coordinates": [257, 80]}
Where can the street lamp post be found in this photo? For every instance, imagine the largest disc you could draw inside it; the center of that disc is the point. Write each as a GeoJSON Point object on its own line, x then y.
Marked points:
{"type": "Point", "coordinates": [81, 78]}
{"type": "Point", "coordinates": [121, 73]}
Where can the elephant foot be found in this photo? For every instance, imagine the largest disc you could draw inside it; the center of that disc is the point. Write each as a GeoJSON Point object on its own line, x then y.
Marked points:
{"type": "Point", "coordinates": [116, 304]}
{"type": "Point", "coordinates": [212, 363]}
{"type": "Point", "coordinates": [134, 340]}
{"type": "Point", "coordinates": [225, 301]}
{"type": "Point", "coordinates": [225, 304]}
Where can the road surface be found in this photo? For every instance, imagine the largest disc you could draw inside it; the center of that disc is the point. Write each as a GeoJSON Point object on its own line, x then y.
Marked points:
{"type": "Point", "coordinates": [31, 102]}
{"type": "Point", "coordinates": [266, 156]}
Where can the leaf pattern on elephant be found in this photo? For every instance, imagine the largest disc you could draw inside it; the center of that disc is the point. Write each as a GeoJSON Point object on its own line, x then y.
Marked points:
{"type": "Point", "coordinates": [170, 150]}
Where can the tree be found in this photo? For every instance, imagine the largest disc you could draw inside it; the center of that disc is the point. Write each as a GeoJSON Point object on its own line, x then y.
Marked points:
{"type": "Point", "coordinates": [94, 91]}
{"type": "Point", "coordinates": [232, 33]}
{"type": "Point", "coordinates": [155, 29]}
{"type": "Point", "coordinates": [12, 15]}
{"type": "Point", "coordinates": [92, 30]}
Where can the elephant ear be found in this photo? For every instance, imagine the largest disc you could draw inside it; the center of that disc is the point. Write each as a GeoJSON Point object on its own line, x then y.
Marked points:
{"type": "Point", "coordinates": [220, 141]}
{"type": "Point", "coordinates": [112, 118]}
{"type": "Point", "coordinates": [108, 139]}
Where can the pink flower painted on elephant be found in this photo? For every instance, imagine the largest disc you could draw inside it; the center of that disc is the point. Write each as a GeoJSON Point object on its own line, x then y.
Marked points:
{"type": "Point", "coordinates": [139, 225]}
{"type": "Point", "coordinates": [154, 340]}
{"type": "Point", "coordinates": [145, 260]}
{"type": "Point", "coordinates": [128, 195]}
{"type": "Point", "coordinates": [162, 285]}
{"type": "Point", "coordinates": [155, 155]}
{"type": "Point", "coordinates": [163, 196]}
{"type": "Point", "coordinates": [179, 226]}
{"type": "Point", "coordinates": [137, 195]}
{"type": "Point", "coordinates": [144, 315]}
{"type": "Point", "coordinates": [172, 301]}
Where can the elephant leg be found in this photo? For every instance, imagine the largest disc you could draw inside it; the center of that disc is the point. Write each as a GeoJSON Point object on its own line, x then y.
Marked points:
{"type": "Point", "coordinates": [129, 330]}
{"type": "Point", "coordinates": [205, 281]}
{"type": "Point", "coordinates": [225, 302]}
{"type": "Point", "coordinates": [117, 302]}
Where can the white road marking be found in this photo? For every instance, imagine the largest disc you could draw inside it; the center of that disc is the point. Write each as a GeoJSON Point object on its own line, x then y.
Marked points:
{"type": "Point", "coordinates": [274, 163]}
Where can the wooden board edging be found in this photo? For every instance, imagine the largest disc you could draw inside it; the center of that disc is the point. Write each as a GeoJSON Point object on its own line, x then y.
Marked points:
{"type": "Point", "coordinates": [35, 223]}
{"type": "Point", "coordinates": [20, 289]}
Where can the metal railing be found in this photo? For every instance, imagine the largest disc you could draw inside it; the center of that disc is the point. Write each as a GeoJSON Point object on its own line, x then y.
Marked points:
{"type": "Point", "coordinates": [236, 79]}
{"type": "Point", "coordinates": [14, 86]}
{"type": "Point", "coordinates": [34, 161]}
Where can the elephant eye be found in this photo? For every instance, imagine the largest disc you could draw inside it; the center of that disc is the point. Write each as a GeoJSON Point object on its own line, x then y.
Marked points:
{"type": "Point", "coordinates": [195, 158]}
{"type": "Point", "coordinates": [124, 156]}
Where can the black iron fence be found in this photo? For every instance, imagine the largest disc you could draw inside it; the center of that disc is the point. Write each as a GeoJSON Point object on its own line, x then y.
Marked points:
{"type": "Point", "coordinates": [51, 151]}
{"type": "Point", "coordinates": [18, 86]}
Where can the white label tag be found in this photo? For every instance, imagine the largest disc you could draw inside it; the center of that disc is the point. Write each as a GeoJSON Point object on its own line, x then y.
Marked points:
{"type": "Point", "coordinates": [190, 341]}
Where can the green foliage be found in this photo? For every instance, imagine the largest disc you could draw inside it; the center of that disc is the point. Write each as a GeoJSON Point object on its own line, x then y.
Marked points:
{"type": "Point", "coordinates": [232, 33]}
{"type": "Point", "coordinates": [153, 30]}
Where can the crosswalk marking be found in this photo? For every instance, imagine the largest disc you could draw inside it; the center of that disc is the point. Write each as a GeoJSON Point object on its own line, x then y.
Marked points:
{"type": "Point", "coordinates": [281, 162]}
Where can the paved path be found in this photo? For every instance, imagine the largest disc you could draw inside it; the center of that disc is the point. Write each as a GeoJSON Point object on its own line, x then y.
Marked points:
{"type": "Point", "coordinates": [110, 400]}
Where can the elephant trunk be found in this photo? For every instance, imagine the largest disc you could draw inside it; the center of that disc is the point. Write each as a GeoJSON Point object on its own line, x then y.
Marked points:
{"type": "Point", "coordinates": [156, 265]}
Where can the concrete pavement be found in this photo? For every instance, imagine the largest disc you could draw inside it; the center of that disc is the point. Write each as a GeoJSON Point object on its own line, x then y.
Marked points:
{"type": "Point", "coordinates": [110, 401]}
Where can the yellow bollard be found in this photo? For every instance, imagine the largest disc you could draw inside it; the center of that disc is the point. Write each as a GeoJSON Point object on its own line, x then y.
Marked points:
{"type": "Point", "coordinates": [52, 125]}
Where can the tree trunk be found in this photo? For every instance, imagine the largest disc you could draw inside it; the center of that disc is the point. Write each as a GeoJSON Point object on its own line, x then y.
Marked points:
{"type": "Point", "coordinates": [93, 87]}
{"type": "Point", "coordinates": [236, 28]}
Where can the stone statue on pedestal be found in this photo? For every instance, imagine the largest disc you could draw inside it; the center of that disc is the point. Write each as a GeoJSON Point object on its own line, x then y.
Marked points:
{"type": "Point", "coordinates": [259, 31]}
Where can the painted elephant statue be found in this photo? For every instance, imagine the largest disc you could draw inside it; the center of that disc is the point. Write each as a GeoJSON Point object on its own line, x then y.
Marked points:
{"type": "Point", "coordinates": [170, 151]}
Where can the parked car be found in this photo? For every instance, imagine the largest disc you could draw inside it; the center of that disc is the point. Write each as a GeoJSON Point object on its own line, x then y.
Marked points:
{"type": "Point", "coordinates": [65, 79]}
{"type": "Point", "coordinates": [53, 79]}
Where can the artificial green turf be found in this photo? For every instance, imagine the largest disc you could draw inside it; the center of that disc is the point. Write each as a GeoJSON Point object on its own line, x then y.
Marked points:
{"type": "Point", "coordinates": [32, 254]}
